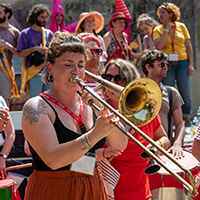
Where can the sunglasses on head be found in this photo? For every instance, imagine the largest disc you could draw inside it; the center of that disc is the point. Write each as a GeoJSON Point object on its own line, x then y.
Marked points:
{"type": "Point", "coordinates": [162, 64]}
{"type": "Point", "coordinates": [165, 4]}
{"type": "Point", "coordinates": [117, 78]}
{"type": "Point", "coordinates": [96, 52]}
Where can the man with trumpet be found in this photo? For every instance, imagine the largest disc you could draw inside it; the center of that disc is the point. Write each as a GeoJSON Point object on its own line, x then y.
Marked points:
{"type": "Point", "coordinates": [154, 65]}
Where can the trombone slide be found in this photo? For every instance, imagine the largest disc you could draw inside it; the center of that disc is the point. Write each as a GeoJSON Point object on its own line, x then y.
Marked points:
{"type": "Point", "coordinates": [191, 188]}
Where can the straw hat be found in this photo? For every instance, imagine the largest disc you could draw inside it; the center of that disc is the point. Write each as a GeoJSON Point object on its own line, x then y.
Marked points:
{"type": "Point", "coordinates": [99, 21]}
{"type": "Point", "coordinates": [117, 15]}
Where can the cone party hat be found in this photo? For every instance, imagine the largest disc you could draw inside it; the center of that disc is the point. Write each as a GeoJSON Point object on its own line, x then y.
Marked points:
{"type": "Point", "coordinates": [120, 6]}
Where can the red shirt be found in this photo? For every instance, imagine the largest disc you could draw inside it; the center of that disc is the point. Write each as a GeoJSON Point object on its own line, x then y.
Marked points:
{"type": "Point", "coordinates": [133, 183]}
{"type": "Point", "coordinates": [120, 50]}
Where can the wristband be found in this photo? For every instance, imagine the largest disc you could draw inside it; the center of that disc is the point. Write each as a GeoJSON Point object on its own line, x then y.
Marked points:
{"type": "Point", "coordinates": [87, 146]}
{"type": "Point", "coordinates": [87, 140]}
{"type": "Point", "coordinates": [161, 143]}
{"type": "Point", "coordinates": [104, 152]}
{"type": "Point", "coordinates": [166, 31]}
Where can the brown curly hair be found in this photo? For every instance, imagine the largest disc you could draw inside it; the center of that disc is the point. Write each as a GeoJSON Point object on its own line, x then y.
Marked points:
{"type": "Point", "coordinates": [63, 42]}
{"type": "Point", "coordinates": [171, 8]}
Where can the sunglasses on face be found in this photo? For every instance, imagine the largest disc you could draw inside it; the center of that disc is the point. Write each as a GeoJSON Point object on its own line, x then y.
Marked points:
{"type": "Point", "coordinates": [117, 78]}
{"type": "Point", "coordinates": [96, 52]}
{"type": "Point", "coordinates": [162, 64]}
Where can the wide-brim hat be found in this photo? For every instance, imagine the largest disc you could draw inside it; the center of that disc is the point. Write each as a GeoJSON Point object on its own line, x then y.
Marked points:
{"type": "Point", "coordinates": [99, 21]}
{"type": "Point", "coordinates": [118, 15]}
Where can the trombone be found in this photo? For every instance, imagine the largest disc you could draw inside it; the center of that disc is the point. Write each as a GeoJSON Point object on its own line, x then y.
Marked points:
{"type": "Point", "coordinates": [139, 103]}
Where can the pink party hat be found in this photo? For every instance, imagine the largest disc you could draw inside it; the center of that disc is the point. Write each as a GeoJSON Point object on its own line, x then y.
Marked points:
{"type": "Point", "coordinates": [57, 7]}
{"type": "Point", "coordinates": [120, 6]}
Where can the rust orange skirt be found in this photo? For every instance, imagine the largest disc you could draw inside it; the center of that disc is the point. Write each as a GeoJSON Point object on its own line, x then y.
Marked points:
{"type": "Point", "coordinates": [60, 185]}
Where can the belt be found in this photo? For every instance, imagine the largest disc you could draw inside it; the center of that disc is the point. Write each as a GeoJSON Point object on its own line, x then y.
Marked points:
{"type": "Point", "coordinates": [171, 63]}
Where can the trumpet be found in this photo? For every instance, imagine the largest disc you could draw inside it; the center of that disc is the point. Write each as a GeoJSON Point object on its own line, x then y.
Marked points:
{"type": "Point", "coordinates": [139, 103]}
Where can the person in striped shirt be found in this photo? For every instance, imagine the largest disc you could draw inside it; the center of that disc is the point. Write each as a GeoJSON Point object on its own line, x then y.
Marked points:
{"type": "Point", "coordinates": [196, 144]}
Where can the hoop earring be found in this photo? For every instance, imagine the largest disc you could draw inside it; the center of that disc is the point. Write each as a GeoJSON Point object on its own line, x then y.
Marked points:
{"type": "Point", "coordinates": [50, 78]}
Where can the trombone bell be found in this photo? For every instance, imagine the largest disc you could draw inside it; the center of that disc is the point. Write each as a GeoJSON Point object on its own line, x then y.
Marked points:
{"type": "Point", "coordinates": [135, 98]}
{"type": "Point", "coordinates": [140, 101]}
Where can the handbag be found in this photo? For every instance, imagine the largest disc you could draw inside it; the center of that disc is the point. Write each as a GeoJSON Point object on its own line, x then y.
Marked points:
{"type": "Point", "coordinates": [36, 58]}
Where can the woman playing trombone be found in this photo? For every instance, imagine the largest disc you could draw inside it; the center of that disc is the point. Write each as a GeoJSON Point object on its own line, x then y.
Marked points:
{"type": "Point", "coordinates": [60, 129]}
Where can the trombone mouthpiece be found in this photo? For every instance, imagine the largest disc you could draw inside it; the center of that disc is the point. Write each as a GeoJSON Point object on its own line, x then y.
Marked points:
{"type": "Point", "coordinates": [74, 79]}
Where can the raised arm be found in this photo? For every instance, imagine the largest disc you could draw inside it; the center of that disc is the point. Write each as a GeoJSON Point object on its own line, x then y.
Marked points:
{"type": "Point", "coordinates": [38, 129]}
{"type": "Point", "coordinates": [161, 41]}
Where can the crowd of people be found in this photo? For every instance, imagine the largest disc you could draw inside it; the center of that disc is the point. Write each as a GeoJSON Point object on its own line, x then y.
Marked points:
{"type": "Point", "coordinates": [64, 135]}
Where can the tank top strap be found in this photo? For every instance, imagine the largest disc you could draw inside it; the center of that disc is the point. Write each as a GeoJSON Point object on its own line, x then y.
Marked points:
{"type": "Point", "coordinates": [49, 105]}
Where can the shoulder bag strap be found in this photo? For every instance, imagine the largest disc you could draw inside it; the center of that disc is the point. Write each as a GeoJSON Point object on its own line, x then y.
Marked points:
{"type": "Point", "coordinates": [170, 110]}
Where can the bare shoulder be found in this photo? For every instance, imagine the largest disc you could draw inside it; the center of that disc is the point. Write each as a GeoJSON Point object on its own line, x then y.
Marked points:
{"type": "Point", "coordinates": [34, 109]}
{"type": "Point", "coordinates": [125, 34]}
{"type": "Point", "coordinates": [107, 35]}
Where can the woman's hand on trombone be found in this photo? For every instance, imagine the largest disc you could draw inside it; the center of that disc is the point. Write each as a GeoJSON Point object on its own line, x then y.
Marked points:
{"type": "Point", "coordinates": [103, 122]}
{"type": "Point", "coordinates": [116, 139]}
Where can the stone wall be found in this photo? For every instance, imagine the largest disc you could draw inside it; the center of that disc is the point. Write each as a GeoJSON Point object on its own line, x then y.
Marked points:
{"type": "Point", "coordinates": [73, 8]}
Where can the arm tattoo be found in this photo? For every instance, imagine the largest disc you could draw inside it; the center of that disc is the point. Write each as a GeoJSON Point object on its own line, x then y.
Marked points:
{"type": "Point", "coordinates": [32, 114]}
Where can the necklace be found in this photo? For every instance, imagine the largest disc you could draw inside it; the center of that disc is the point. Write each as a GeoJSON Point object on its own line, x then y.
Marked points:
{"type": "Point", "coordinates": [122, 45]}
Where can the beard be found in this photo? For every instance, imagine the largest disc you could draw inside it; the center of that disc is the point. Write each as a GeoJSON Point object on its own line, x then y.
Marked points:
{"type": "Point", "coordinates": [39, 23]}
{"type": "Point", "coordinates": [3, 19]}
